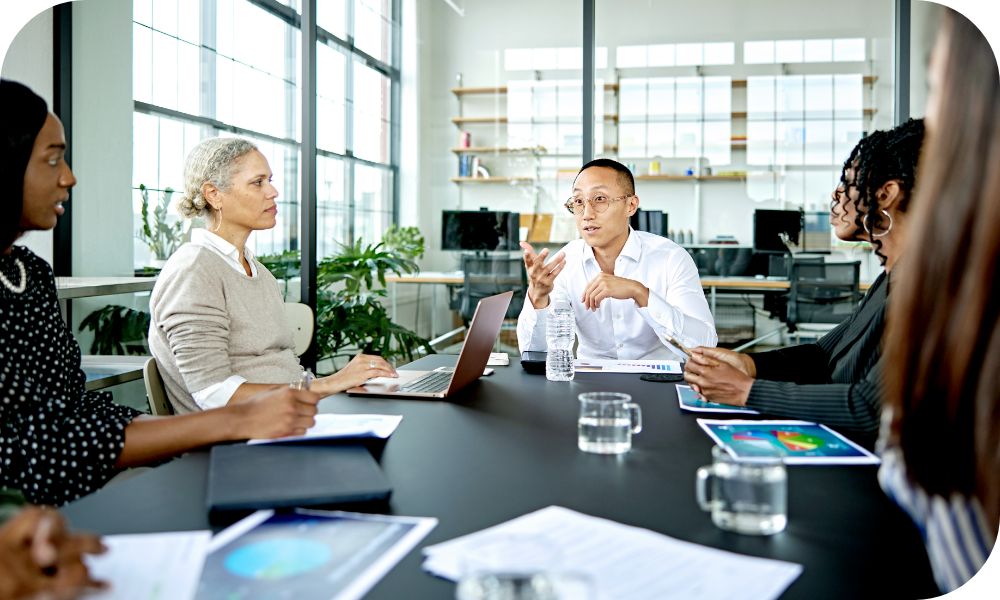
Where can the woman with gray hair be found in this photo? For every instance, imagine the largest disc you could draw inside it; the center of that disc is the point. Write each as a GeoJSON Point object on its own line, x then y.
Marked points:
{"type": "Point", "coordinates": [218, 329]}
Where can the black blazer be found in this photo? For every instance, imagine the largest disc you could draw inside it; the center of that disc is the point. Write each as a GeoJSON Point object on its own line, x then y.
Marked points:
{"type": "Point", "coordinates": [834, 381]}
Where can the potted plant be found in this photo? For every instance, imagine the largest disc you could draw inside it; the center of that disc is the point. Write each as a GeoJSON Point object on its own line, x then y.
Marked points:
{"type": "Point", "coordinates": [351, 314]}
{"type": "Point", "coordinates": [161, 236]}
{"type": "Point", "coordinates": [117, 330]}
{"type": "Point", "coordinates": [406, 241]}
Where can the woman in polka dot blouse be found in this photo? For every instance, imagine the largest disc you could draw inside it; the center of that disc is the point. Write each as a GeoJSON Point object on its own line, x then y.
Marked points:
{"type": "Point", "coordinates": [57, 441]}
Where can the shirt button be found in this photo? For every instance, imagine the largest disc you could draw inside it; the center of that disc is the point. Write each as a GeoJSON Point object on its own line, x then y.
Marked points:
{"type": "Point", "coordinates": [621, 345]}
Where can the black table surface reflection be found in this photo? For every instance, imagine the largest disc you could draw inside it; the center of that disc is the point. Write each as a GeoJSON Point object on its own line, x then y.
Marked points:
{"type": "Point", "coordinates": [506, 446]}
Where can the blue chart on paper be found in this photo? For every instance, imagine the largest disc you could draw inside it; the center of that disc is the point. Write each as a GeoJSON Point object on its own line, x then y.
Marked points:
{"type": "Point", "coordinates": [277, 558]}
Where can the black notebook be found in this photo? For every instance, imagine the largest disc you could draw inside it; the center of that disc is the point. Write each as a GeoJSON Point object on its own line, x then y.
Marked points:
{"type": "Point", "coordinates": [242, 477]}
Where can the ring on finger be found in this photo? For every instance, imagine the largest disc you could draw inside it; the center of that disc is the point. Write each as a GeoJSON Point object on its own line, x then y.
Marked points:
{"type": "Point", "coordinates": [372, 364]}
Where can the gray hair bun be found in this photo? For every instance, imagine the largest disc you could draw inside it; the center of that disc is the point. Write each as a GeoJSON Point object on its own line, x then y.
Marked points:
{"type": "Point", "coordinates": [211, 161]}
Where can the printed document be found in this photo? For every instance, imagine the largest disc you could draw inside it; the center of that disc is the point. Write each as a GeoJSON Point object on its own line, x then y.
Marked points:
{"type": "Point", "coordinates": [624, 561]}
{"type": "Point", "coordinates": [337, 426]}
{"type": "Point", "coordinates": [150, 566]}
{"type": "Point", "coordinates": [601, 365]}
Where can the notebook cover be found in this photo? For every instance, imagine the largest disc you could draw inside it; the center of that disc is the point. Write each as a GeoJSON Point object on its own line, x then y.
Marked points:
{"type": "Point", "coordinates": [242, 477]}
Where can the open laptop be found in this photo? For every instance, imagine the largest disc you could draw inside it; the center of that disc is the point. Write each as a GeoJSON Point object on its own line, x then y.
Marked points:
{"type": "Point", "coordinates": [444, 381]}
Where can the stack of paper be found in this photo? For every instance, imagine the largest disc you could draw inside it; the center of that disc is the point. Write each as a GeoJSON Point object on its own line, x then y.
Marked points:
{"type": "Point", "coordinates": [150, 566]}
{"type": "Point", "coordinates": [337, 426]}
{"type": "Point", "coordinates": [624, 561]}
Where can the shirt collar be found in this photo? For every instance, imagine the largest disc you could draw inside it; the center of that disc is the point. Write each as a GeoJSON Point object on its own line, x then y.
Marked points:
{"type": "Point", "coordinates": [632, 248]}
{"type": "Point", "coordinates": [207, 238]}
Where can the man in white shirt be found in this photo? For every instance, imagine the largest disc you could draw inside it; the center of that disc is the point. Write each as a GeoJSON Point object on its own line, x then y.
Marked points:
{"type": "Point", "coordinates": [630, 290]}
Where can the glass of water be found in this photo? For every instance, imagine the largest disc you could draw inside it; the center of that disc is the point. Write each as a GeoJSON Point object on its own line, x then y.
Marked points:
{"type": "Point", "coordinates": [745, 496]}
{"type": "Point", "coordinates": [518, 567]}
{"type": "Point", "coordinates": [607, 422]}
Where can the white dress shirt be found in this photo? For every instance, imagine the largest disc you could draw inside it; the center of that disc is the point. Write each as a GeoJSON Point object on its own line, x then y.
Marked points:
{"type": "Point", "coordinates": [620, 329]}
{"type": "Point", "coordinates": [218, 394]}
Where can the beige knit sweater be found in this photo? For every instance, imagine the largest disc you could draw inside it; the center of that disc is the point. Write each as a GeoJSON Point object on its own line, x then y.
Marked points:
{"type": "Point", "coordinates": [210, 322]}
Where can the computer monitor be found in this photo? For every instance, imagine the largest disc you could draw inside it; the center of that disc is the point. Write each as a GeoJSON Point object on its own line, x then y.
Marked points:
{"type": "Point", "coordinates": [479, 230]}
{"type": "Point", "coordinates": [768, 225]}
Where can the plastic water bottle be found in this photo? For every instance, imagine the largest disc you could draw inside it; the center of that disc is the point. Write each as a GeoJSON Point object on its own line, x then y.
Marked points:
{"type": "Point", "coordinates": [560, 333]}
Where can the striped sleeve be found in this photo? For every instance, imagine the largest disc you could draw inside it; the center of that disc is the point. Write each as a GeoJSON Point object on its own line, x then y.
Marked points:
{"type": "Point", "coordinates": [804, 363]}
{"type": "Point", "coordinates": [854, 406]}
{"type": "Point", "coordinates": [955, 530]}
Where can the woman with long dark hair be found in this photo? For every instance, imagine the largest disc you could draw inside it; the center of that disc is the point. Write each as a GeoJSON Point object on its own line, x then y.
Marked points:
{"type": "Point", "coordinates": [58, 441]}
{"type": "Point", "coordinates": [941, 460]}
{"type": "Point", "coordinates": [835, 380]}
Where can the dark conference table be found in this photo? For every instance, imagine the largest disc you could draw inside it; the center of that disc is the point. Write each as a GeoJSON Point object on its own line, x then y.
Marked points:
{"type": "Point", "coordinates": [506, 446]}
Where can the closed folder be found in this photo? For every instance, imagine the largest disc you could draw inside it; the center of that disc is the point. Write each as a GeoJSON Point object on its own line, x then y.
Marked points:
{"type": "Point", "coordinates": [242, 477]}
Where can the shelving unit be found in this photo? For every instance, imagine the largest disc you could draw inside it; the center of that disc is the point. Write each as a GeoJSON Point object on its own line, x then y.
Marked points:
{"type": "Point", "coordinates": [492, 179]}
{"type": "Point", "coordinates": [513, 165]}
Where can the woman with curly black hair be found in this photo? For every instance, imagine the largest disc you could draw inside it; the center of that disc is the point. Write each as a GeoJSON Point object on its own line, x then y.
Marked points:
{"type": "Point", "coordinates": [835, 380]}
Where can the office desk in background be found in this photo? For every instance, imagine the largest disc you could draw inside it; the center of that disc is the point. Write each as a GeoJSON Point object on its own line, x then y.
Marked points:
{"type": "Point", "coordinates": [714, 285]}
{"type": "Point", "coordinates": [84, 287]}
{"type": "Point", "coordinates": [105, 371]}
{"type": "Point", "coordinates": [506, 446]}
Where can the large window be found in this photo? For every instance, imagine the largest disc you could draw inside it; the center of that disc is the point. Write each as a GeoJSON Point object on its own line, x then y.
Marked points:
{"type": "Point", "coordinates": [205, 68]}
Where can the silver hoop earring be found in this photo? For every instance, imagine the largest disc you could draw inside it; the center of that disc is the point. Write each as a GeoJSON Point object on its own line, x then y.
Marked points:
{"type": "Point", "coordinates": [864, 225]}
{"type": "Point", "coordinates": [218, 223]}
{"type": "Point", "coordinates": [887, 229]}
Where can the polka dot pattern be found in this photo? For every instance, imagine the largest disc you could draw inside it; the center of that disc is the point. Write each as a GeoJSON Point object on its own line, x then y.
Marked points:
{"type": "Point", "coordinates": [57, 441]}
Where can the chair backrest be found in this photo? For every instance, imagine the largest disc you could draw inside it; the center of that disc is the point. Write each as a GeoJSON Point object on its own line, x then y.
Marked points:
{"type": "Point", "coordinates": [300, 317]}
{"type": "Point", "coordinates": [156, 394]}
{"type": "Point", "coordinates": [491, 275]}
{"type": "Point", "coordinates": [780, 265]}
{"type": "Point", "coordinates": [823, 292]}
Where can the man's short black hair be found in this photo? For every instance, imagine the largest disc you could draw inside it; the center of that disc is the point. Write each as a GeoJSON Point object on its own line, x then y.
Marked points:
{"type": "Point", "coordinates": [625, 177]}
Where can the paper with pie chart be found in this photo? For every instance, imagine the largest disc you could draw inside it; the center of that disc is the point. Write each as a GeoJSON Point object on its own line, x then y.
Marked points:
{"type": "Point", "coordinates": [798, 442]}
{"type": "Point", "coordinates": [307, 554]}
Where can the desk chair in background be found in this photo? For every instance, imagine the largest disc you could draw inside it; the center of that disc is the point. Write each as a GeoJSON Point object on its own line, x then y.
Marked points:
{"type": "Point", "coordinates": [156, 393]}
{"type": "Point", "coordinates": [822, 295]}
{"type": "Point", "coordinates": [300, 317]}
{"type": "Point", "coordinates": [487, 276]}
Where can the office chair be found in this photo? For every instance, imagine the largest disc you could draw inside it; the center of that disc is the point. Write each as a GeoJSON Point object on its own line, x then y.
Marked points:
{"type": "Point", "coordinates": [300, 317]}
{"type": "Point", "coordinates": [156, 394]}
{"type": "Point", "coordinates": [798, 308]}
{"type": "Point", "coordinates": [822, 295]}
{"type": "Point", "coordinates": [490, 275]}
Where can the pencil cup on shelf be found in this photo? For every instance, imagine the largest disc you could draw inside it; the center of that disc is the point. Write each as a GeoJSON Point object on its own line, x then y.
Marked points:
{"type": "Point", "coordinates": [744, 495]}
{"type": "Point", "coordinates": [560, 333]}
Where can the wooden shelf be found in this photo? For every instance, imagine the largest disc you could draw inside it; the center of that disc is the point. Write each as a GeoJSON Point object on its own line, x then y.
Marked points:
{"type": "Point", "coordinates": [502, 120]}
{"type": "Point", "coordinates": [692, 177]}
{"type": "Point", "coordinates": [478, 120]}
{"type": "Point", "coordinates": [492, 179]}
{"type": "Point", "coordinates": [472, 91]}
{"type": "Point", "coordinates": [541, 151]}
{"type": "Point", "coordinates": [608, 87]}
{"type": "Point", "coordinates": [520, 180]}
{"type": "Point", "coordinates": [866, 80]}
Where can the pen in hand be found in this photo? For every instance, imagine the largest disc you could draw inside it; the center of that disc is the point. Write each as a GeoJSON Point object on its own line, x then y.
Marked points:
{"type": "Point", "coordinates": [305, 380]}
{"type": "Point", "coordinates": [679, 345]}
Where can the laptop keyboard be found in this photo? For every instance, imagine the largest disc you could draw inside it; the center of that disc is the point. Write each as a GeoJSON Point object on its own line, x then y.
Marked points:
{"type": "Point", "coordinates": [429, 383]}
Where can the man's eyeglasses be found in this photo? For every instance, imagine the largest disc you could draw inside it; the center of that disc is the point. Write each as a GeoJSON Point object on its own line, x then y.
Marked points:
{"type": "Point", "coordinates": [577, 204]}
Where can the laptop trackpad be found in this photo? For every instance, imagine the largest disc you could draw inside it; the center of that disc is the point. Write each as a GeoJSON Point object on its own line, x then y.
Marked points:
{"type": "Point", "coordinates": [385, 385]}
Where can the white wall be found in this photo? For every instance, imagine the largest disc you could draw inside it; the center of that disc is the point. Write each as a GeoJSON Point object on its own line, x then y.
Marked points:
{"type": "Point", "coordinates": [924, 21]}
{"type": "Point", "coordinates": [102, 149]}
{"type": "Point", "coordinates": [29, 61]}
